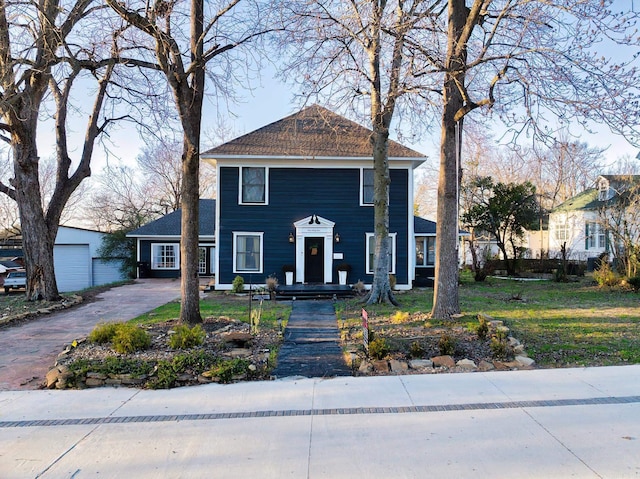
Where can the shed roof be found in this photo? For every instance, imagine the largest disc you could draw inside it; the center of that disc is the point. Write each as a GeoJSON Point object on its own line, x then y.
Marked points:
{"type": "Point", "coordinates": [312, 132]}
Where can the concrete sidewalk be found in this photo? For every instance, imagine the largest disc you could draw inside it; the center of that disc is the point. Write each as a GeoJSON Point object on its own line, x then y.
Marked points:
{"type": "Point", "coordinates": [551, 423]}
{"type": "Point", "coordinates": [28, 350]}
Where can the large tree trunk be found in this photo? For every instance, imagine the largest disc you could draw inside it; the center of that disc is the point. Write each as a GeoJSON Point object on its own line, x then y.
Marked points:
{"type": "Point", "coordinates": [445, 294]}
{"type": "Point", "coordinates": [37, 239]}
{"type": "Point", "coordinates": [190, 285]}
{"type": "Point", "coordinates": [381, 287]}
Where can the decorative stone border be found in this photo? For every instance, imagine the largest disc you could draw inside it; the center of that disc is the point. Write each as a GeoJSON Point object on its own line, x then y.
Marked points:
{"type": "Point", "coordinates": [65, 303]}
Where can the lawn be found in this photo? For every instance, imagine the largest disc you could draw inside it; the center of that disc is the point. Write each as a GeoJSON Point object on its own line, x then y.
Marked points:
{"type": "Point", "coordinates": [560, 324]}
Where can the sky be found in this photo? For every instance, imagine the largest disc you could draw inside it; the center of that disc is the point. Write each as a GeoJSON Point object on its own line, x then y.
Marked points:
{"type": "Point", "coordinates": [269, 102]}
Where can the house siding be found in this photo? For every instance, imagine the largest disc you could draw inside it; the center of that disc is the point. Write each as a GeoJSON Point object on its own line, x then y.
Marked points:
{"type": "Point", "coordinates": [296, 193]}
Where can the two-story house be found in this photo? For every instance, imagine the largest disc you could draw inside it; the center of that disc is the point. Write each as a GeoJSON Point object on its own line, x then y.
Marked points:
{"type": "Point", "coordinates": [299, 192]}
{"type": "Point", "coordinates": [582, 221]}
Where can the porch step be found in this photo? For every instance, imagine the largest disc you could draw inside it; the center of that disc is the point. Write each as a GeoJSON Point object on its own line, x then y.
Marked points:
{"type": "Point", "coordinates": [314, 291]}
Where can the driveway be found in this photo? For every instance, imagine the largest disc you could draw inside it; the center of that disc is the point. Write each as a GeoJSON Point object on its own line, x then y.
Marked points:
{"type": "Point", "coordinates": [28, 350]}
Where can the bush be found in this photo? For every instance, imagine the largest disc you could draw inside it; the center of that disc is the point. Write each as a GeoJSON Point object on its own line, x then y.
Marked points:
{"type": "Point", "coordinates": [605, 276]}
{"type": "Point", "coordinates": [125, 337]}
{"type": "Point", "coordinates": [185, 337]}
{"type": "Point", "coordinates": [271, 283]}
{"type": "Point", "coordinates": [237, 285]}
{"type": "Point", "coordinates": [227, 369]}
{"type": "Point", "coordinates": [634, 282]}
{"type": "Point", "coordinates": [416, 350]}
{"type": "Point", "coordinates": [130, 338]}
{"type": "Point", "coordinates": [447, 345]}
{"type": "Point", "coordinates": [483, 329]}
{"type": "Point", "coordinates": [103, 333]}
{"type": "Point", "coordinates": [378, 348]}
{"type": "Point", "coordinates": [500, 347]}
{"type": "Point", "coordinates": [392, 281]}
{"type": "Point", "coordinates": [359, 287]}
{"type": "Point", "coordinates": [400, 317]}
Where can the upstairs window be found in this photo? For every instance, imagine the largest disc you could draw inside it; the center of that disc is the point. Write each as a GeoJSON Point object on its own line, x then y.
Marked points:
{"type": "Point", "coordinates": [562, 232]}
{"type": "Point", "coordinates": [253, 185]}
{"type": "Point", "coordinates": [366, 193]}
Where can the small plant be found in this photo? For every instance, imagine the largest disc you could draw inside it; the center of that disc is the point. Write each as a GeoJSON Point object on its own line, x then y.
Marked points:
{"type": "Point", "coordinates": [129, 338]}
{"type": "Point", "coordinates": [359, 287]}
{"type": "Point", "coordinates": [103, 333]}
{"type": "Point", "coordinates": [392, 281]}
{"type": "Point", "coordinates": [400, 317]}
{"type": "Point", "coordinates": [483, 329]}
{"type": "Point", "coordinates": [605, 276]}
{"type": "Point", "coordinates": [500, 347]}
{"type": "Point", "coordinates": [447, 345]}
{"type": "Point", "coordinates": [378, 348]}
{"type": "Point", "coordinates": [271, 283]}
{"type": "Point", "coordinates": [288, 268]}
{"type": "Point", "coordinates": [185, 337]}
{"type": "Point", "coordinates": [237, 285]}
{"type": "Point", "coordinates": [344, 267]}
{"type": "Point", "coordinates": [416, 350]}
{"type": "Point", "coordinates": [165, 376]}
{"type": "Point", "coordinates": [226, 370]}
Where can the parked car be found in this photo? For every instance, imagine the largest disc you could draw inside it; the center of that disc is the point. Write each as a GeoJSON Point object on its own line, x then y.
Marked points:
{"type": "Point", "coordinates": [15, 280]}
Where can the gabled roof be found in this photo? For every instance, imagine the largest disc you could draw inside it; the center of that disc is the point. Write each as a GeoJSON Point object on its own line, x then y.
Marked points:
{"type": "Point", "coordinates": [310, 133]}
{"type": "Point", "coordinates": [170, 225]}
{"type": "Point", "coordinates": [587, 200]}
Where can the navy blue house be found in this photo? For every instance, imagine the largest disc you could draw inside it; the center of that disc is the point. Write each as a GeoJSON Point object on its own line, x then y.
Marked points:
{"type": "Point", "coordinates": [299, 193]}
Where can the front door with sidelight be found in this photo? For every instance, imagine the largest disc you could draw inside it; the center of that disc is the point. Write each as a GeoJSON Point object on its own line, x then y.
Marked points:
{"type": "Point", "coordinates": [314, 260]}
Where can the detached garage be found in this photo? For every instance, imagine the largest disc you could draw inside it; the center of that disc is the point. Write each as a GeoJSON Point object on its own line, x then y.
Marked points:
{"type": "Point", "coordinates": [76, 260]}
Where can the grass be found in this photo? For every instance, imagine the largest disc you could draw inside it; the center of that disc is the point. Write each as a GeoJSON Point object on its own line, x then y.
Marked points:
{"type": "Point", "coordinates": [218, 304]}
{"type": "Point", "coordinates": [560, 324]}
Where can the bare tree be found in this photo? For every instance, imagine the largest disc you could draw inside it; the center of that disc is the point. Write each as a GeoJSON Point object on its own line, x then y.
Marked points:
{"type": "Point", "coordinates": [161, 165]}
{"type": "Point", "coordinates": [188, 38]}
{"type": "Point", "coordinates": [41, 54]}
{"type": "Point", "coordinates": [527, 60]}
{"type": "Point", "coordinates": [354, 54]}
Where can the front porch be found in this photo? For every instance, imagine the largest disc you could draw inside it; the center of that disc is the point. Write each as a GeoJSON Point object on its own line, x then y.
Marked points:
{"type": "Point", "coordinates": [314, 291]}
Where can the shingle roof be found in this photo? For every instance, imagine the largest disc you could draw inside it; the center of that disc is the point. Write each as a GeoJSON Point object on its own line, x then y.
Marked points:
{"type": "Point", "coordinates": [423, 226]}
{"type": "Point", "coordinates": [587, 200]}
{"type": "Point", "coordinates": [312, 132]}
{"type": "Point", "coordinates": [169, 225]}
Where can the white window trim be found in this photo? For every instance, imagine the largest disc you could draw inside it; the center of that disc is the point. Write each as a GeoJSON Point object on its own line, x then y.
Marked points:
{"type": "Point", "coordinates": [425, 244]}
{"type": "Point", "coordinates": [362, 203]}
{"type": "Point", "coordinates": [154, 264]}
{"type": "Point", "coordinates": [234, 252]}
{"type": "Point", "coordinates": [392, 266]}
{"type": "Point", "coordinates": [266, 186]}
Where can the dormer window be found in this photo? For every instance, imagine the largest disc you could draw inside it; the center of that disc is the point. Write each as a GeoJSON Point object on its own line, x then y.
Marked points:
{"type": "Point", "coordinates": [603, 190]}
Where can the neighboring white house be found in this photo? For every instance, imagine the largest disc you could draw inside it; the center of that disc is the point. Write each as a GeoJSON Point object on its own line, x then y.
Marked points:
{"type": "Point", "coordinates": [76, 260]}
{"type": "Point", "coordinates": [576, 222]}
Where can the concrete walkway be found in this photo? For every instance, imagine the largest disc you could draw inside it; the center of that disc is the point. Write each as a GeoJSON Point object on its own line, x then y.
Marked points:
{"type": "Point", "coordinates": [28, 350]}
{"type": "Point", "coordinates": [554, 423]}
{"type": "Point", "coordinates": [311, 345]}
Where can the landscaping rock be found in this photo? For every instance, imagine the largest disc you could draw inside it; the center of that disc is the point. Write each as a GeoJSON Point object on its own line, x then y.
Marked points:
{"type": "Point", "coordinates": [380, 366]}
{"type": "Point", "coordinates": [525, 361]}
{"type": "Point", "coordinates": [398, 367]}
{"type": "Point", "coordinates": [57, 377]}
{"type": "Point", "coordinates": [519, 350]}
{"type": "Point", "coordinates": [94, 383]}
{"type": "Point", "coordinates": [443, 361]}
{"type": "Point", "coordinates": [485, 366]}
{"type": "Point", "coordinates": [420, 363]}
{"type": "Point", "coordinates": [467, 365]}
{"type": "Point", "coordinates": [238, 338]}
{"type": "Point", "coordinates": [365, 367]}
{"type": "Point", "coordinates": [238, 353]}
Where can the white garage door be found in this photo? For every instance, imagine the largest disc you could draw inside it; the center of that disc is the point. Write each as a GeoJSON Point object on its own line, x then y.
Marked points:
{"type": "Point", "coordinates": [105, 272]}
{"type": "Point", "coordinates": [73, 267]}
